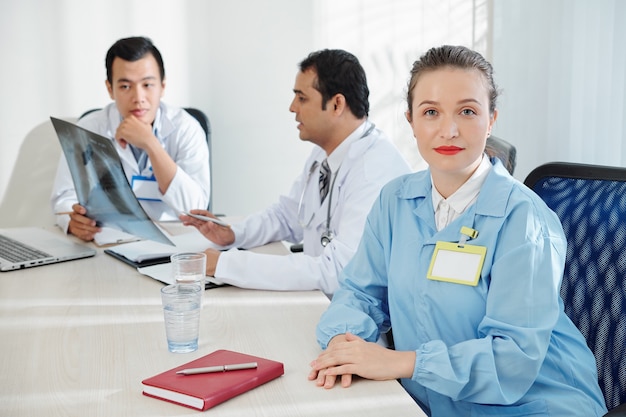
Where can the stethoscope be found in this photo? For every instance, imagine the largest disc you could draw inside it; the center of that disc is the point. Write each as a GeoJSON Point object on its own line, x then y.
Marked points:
{"type": "Point", "coordinates": [327, 235]}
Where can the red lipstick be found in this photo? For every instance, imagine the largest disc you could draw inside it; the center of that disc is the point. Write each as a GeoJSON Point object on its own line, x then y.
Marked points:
{"type": "Point", "coordinates": [448, 150]}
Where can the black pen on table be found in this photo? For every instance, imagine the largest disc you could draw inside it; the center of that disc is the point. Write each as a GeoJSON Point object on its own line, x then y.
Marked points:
{"type": "Point", "coordinates": [218, 368]}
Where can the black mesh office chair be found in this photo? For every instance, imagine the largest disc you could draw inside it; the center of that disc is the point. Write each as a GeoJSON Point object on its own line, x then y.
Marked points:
{"type": "Point", "coordinates": [203, 119]}
{"type": "Point", "coordinates": [590, 201]}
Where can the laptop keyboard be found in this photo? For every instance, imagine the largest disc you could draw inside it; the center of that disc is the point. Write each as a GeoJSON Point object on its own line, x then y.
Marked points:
{"type": "Point", "coordinates": [15, 251]}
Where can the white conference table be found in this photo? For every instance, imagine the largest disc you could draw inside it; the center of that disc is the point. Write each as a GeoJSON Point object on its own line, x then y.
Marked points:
{"type": "Point", "coordinates": [77, 339]}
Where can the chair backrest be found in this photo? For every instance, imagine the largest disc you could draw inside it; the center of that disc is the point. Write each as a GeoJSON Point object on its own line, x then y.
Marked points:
{"type": "Point", "coordinates": [26, 201]}
{"type": "Point", "coordinates": [203, 119]}
{"type": "Point", "coordinates": [590, 201]}
{"type": "Point", "coordinates": [503, 150]}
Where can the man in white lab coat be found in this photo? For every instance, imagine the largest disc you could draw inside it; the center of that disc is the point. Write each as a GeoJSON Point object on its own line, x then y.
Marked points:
{"type": "Point", "coordinates": [162, 148]}
{"type": "Point", "coordinates": [352, 159]}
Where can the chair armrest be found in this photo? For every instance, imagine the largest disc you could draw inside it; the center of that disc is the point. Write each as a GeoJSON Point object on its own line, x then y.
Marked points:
{"type": "Point", "coordinates": [619, 411]}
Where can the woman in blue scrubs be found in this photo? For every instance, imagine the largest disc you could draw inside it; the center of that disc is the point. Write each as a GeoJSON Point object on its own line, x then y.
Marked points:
{"type": "Point", "coordinates": [465, 264]}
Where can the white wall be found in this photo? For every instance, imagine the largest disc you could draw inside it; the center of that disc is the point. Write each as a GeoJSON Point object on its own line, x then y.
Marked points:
{"type": "Point", "coordinates": [236, 60]}
{"type": "Point", "coordinates": [560, 64]}
{"type": "Point", "coordinates": [562, 67]}
{"type": "Point", "coordinates": [244, 63]}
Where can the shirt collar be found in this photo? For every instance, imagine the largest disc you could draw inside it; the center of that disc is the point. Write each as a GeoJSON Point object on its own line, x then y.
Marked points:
{"type": "Point", "coordinates": [161, 127]}
{"type": "Point", "coordinates": [338, 155]}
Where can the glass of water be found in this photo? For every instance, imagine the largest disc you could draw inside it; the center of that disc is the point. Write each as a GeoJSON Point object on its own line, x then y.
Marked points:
{"type": "Point", "coordinates": [189, 268]}
{"type": "Point", "coordinates": [181, 311]}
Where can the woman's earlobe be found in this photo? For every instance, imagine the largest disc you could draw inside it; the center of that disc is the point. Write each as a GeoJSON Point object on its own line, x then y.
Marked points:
{"type": "Point", "coordinates": [407, 114]}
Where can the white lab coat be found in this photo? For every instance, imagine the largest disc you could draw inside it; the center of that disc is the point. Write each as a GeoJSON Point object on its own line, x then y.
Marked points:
{"type": "Point", "coordinates": [183, 139]}
{"type": "Point", "coordinates": [370, 162]}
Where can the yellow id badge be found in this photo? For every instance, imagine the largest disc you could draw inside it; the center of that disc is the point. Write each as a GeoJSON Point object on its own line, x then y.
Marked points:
{"type": "Point", "coordinates": [459, 263]}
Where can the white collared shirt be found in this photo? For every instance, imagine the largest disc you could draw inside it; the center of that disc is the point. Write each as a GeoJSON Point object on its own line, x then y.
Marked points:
{"type": "Point", "coordinates": [448, 209]}
{"type": "Point", "coordinates": [338, 154]}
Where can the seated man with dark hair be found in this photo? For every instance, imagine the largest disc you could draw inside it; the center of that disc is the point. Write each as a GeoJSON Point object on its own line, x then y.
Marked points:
{"type": "Point", "coordinates": [328, 203]}
{"type": "Point", "coordinates": [162, 148]}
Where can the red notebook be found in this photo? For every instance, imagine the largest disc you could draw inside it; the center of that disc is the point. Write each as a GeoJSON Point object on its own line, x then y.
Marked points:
{"type": "Point", "coordinates": [203, 391]}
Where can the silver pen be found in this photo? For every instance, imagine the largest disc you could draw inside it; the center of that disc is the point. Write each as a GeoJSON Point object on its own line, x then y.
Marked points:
{"type": "Point", "coordinates": [207, 219]}
{"type": "Point", "coordinates": [218, 368]}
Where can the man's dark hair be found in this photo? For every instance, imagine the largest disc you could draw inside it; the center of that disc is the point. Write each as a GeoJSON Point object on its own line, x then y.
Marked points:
{"type": "Point", "coordinates": [339, 72]}
{"type": "Point", "coordinates": [132, 49]}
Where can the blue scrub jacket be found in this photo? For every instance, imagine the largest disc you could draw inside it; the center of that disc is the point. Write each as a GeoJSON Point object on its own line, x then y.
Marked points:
{"type": "Point", "coordinates": [503, 347]}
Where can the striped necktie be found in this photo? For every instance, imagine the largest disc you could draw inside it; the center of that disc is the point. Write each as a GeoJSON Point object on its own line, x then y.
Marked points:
{"type": "Point", "coordinates": [324, 180]}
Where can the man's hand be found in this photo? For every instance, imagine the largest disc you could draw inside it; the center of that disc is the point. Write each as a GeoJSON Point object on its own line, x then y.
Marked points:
{"type": "Point", "coordinates": [80, 225]}
{"type": "Point", "coordinates": [212, 256]}
{"type": "Point", "coordinates": [220, 235]}
{"type": "Point", "coordinates": [137, 133]}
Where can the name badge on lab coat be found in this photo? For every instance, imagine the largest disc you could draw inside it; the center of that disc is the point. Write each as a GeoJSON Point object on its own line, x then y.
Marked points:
{"type": "Point", "coordinates": [458, 263]}
{"type": "Point", "coordinates": [145, 188]}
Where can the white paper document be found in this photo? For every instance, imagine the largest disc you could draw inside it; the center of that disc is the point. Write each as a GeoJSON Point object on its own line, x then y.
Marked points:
{"type": "Point", "coordinates": [163, 273]}
{"type": "Point", "coordinates": [193, 241]}
{"type": "Point", "coordinates": [109, 236]}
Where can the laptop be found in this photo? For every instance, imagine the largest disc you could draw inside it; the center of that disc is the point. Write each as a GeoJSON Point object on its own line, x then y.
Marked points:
{"type": "Point", "coordinates": [25, 247]}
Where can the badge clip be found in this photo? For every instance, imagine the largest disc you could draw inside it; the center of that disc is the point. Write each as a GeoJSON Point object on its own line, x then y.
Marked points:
{"type": "Point", "coordinates": [467, 232]}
